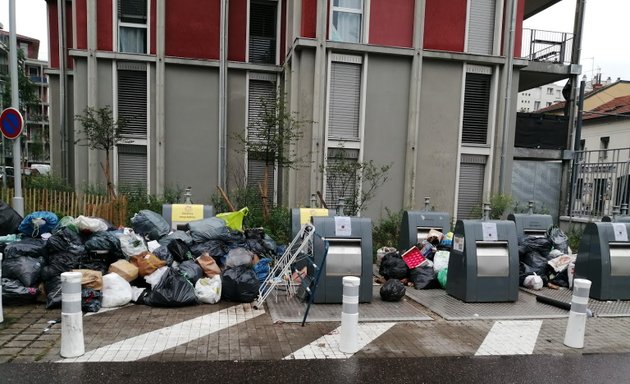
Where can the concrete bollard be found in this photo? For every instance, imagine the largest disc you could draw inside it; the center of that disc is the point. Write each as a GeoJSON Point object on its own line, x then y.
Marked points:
{"type": "Point", "coordinates": [1, 310]}
{"type": "Point", "coordinates": [576, 326]}
{"type": "Point", "coordinates": [72, 344]}
{"type": "Point", "coordinates": [349, 337]}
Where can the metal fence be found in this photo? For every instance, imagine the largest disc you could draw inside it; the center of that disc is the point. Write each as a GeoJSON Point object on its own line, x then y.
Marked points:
{"type": "Point", "coordinates": [599, 182]}
{"type": "Point", "coordinates": [547, 46]}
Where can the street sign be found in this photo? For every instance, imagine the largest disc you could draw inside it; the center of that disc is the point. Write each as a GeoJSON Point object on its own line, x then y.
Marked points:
{"type": "Point", "coordinates": [11, 123]}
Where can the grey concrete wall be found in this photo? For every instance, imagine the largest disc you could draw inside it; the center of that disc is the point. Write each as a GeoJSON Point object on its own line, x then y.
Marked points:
{"type": "Point", "coordinates": [192, 129]}
{"type": "Point", "coordinates": [509, 152]}
{"type": "Point", "coordinates": [152, 117]}
{"type": "Point", "coordinates": [236, 123]}
{"type": "Point", "coordinates": [54, 123]}
{"type": "Point", "coordinates": [385, 134]}
{"type": "Point", "coordinates": [440, 116]}
{"type": "Point", "coordinates": [80, 152]}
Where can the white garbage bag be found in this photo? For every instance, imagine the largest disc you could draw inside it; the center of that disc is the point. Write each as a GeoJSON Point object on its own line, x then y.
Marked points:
{"type": "Point", "coordinates": [208, 289]}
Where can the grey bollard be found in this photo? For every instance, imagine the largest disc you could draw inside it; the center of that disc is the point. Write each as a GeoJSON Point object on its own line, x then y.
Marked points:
{"type": "Point", "coordinates": [576, 325]}
{"type": "Point", "coordinates": [349, 337]}
{"type": "Point", "coordinates": [72, 344]}
{"type": "Point", "coordinates": [1, 310]}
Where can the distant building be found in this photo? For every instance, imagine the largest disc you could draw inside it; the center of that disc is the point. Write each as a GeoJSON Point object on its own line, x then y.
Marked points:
{"type": "Point", "coordinates": [36, 133]}
{"type": "Point", "coordinates": [539, 97]}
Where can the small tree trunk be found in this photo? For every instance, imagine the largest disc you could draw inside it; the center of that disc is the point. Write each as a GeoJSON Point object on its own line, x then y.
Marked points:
{"type": "Point", "coordinates": [264, 195]}
{"type": "Point", "coordinates": [111, 193]}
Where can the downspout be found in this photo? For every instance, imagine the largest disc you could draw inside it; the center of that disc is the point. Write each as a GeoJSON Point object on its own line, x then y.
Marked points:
{"type": "Point", "coordinates": [413, 125]}
{"type": "Point", "coordinates": [508, 49]}
{"type": "Point", "coordinates": [222, 95]}
{"type": "Point", "coordinates": [319, 97]}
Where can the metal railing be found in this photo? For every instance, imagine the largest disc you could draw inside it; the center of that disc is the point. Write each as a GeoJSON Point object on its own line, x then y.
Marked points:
{"type": "Point", "coordinates": [547, 46]}
{"type": "Point", "coordinates": [600, 183]}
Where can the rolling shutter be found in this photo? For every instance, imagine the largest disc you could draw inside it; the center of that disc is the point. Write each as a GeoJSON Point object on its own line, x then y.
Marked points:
{"type": "Point", "coordinates": [476, 109]}
{"type": "Point", "coordinates": [132, 11]}
{"type": "Point", "coordinates": [132, 164]}
{"type": "Point", "coordinates": [262, 32]}
{"type": "Point", "coordinates": [132, 98]}
{"type": "Point", "coordinates": [471, 174]}
{"type": "Point", "coordinates": [340, 185]}
{"type": "Point", "coordinates": [481, 26]}
{"type": "Point", "coordinates": [345, 101]}
{"type": "Point", "coordinates": [256, 174]}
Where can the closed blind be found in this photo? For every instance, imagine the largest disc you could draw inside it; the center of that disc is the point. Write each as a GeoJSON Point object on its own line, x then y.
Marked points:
{"type": "Point", "coordinates": [132, 11]}
{"type": "Point", "coordinates": [345, 100]}
{"type": "Point", "coordinates": [261, 93]}
{"type": "Point", "coordinates": [132, 101]}
{"type": "Point", "coordinates": [481, 26]}
{"type": "Point", "coordinates": [476, 109]}
{"type": "Point", "coordinates": [132, 164]}
{"type": "Point", "coordinates": [262, 32]}
{"type": "Point", "coordinates": [470, 195]}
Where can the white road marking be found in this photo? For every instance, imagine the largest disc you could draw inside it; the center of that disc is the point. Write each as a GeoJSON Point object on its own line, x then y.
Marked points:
{"type": "Point", "coordinates": [157, 341]}
{"type": "Point", "coordinates": [510, 338]}
{"type": "Point", "coordinates": [327, 346]}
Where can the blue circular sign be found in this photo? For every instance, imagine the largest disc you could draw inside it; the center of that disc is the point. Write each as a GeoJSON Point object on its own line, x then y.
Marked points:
{"type": "Point", "coordinates": [11, 123]}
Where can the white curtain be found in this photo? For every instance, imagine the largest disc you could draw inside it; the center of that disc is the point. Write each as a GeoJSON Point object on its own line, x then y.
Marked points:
{"type": "Point", "coordinates": [346, 27]}
{"type": "Point", "coordinates": [132, 40]}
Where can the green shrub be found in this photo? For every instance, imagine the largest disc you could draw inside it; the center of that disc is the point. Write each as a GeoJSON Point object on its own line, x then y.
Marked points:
{"type": "Point", "coordinates": [138, 199]}
{"type": "Point", "coordinates": [575, 236]}
{"type": "Point", "coordinates": [49, 182]}
{"type": "Point", "coordinates": [499, 205]}
{"type": "Point", "coordinates": [387, 232]}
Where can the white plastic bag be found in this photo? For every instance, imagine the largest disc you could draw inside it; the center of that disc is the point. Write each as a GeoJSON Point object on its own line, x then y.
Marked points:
{"type": "Point", "coordinates": [440, 260]}
{"type": "Point", "coordinates": [208, 289]}
{"type": "Point", "coordinates": [153, 245]}
{"type": "Point", "coordinates": [156, 276]}
{"type": "Point", "coordinates": [132, 244]}
{"type": "Point", "coordinates": [116, 291]}
{"type": "Point", "coordinates": [136, 293]}
{"type": "Point", "coordinates": [533, 282]}
{"type": "Point", "coordinates": [92, 224]}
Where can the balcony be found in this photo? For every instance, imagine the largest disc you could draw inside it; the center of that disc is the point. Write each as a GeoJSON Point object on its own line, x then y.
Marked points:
{"type": "Point", "coordinates": [549, 56]}
{"type": "Point", "coordinates": [39, 79]}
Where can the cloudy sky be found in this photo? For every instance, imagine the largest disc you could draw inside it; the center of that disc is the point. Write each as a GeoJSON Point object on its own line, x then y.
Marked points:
{"type": "Point", "coordinates": [604, 46]}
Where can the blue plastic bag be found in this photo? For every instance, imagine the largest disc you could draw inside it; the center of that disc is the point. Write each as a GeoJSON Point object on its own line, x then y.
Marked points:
{"type": "Point", "coordinates": [262, 269]}
{"type": "Point", "coordinates": [36, 223]}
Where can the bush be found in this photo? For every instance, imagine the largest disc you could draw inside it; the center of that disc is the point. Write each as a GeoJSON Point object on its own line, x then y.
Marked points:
{"type": "Point", "coordinates": [387, 232]}
{"type": "Point", "coordinates": [499, 205]}
{"type": "Point", "coordinates": [138, 199]}
{"type": "Point", "coordinates": [49, 182]}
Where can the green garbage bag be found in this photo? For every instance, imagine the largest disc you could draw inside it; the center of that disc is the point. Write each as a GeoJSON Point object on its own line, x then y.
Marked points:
{"type": "Point", "coordinates": [442, 277]}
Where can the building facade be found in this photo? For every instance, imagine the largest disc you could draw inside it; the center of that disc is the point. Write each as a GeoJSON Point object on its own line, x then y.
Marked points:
{"type": "Point", "coordinates": [540, 97]}
{"type": "Point", "coordinates": [422, 85]}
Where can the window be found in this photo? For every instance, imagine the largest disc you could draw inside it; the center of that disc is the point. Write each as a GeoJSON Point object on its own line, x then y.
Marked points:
{"type": "Point", "coordinates": [346, 20]}
{"type": "Point", "coordinates": [536, 105]}
{"type": "Point", "coordinates": [262, 32]}
{"type": "Point", "coordinates": [342, 185]}
{"type": "Point", "coordinates": [132, 165]}
{"type": "Point", "coordinates": [603, 147]}
{"type": "Point", "coordinates": [550, 91]}
{"type": "Point", "coordinates": [481, 21]}
{"type": "Point", "coordinates": [24, 48]}
{"type": "Point", "coordinates": [476, 109]}
{"type": "Point", "coordinates": [582, 144]}
{"type": "Point", "coordinates": [547, 104]}
{"type": "Point", "coordinates": [262, 96]}
{"type": "Point", "coordinates": [132, 26]}
{"type": "Point", "coordinates": [344, 101]}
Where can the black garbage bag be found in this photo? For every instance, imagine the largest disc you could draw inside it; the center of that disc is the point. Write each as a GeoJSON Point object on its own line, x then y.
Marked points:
{"type": "Point", "coordinates": [393, 267]}
{"type": "Point", "coordinates": [536, 262]}
{"type": "Point", "coordinates": [26, 247]}
{"type": "Point", "coordinates": [392, 290]}
{"type": "Point", "coordinates": [163, 253]}
{"type": "Point", "coordinates": [150, 224]}
{"type": "Point", "coordinates": [9, 220]}
{"type": "Point", "coordinates": [173, 290]}
{"type": "Point", "coordinates": [180, 251]}
{"type": "Point", "coordinates": [256, 246]}
{"type": "Point", "coordinates": [63, 239]}
{"type": "Point", "coordinates": [14, 293]}
{"type": "Point", "coordinates": [182, 235]}
{"type": "Point", "coordinates": [211, 228]}
{"type": "Point", "coordinates": [254, 233]}
{"type": "Point", "coordinates": [424, 277]}
{"type": "Point", "coordinates": [529, 244]}
{"type": "Point", "coordinates": [105, 241]}
{"type": "Point", "coordinates": [91, 300]}
{"type": "Point", "coordinates": [270, 244]}
{"type": "Point", "coordinates": [239, 284]}
{"type": "Point", "coordinates": [526, 270]}
{"type": "Point", "coordinates": [26, 269]}
{"type": "Point", "coordinates": [52, 287]}
{"type": "Point", "coordinates": [190, 270]}
{"type": "Point", "coordinates": [558, 239]}
{"type": "Point", "coordinates": [231, 238]}
{"type": "Point", "coordinates": [60, 262]}
{"type": "Point", "coordinates": [215, 248]}
{"type": "Point", "coordinates": [560, 279]}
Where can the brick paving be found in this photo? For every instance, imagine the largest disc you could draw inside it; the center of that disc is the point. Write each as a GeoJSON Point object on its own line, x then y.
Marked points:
{"type": "Point", "coordinates": [26, 336]}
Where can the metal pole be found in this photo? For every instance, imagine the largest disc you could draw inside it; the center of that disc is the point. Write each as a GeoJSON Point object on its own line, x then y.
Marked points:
{"type": "Point", "coordinates": [63, 95]}
{"type": "Point", "coordinates": [576, 147]}
{"type": "Point", "coordinates": [223, 94]}
{"type": "Point", "coordinates": [1, 311]}
{"type": "Point", "coordinates": [18, 201]}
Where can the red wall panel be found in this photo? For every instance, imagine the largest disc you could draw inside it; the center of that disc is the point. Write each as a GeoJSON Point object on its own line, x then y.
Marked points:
{"type": "Point", "coordinates": [237, 25]}
{"type": "Point", "coordinates": [193, 28]}
{"type": "Point", "coordinates": [81, 24]}
{"type": "Point", "coordinates": [391, 22]}
{"type": "Point", "coordinates": [69, 34]}
{"type": "Point", "coordinates": [152, 28]}
{"type": "Point", "coordinates": [283, 31]}
{"type": "Point", "coordinates": [518, 38]}
{"type": "Point", "coordinates": [104, 25]}
{"type": "Point", "coordinates": [445, 25]}
{"type": "Point", "coordinates": [309, 18]}
{"type": "Point", "coordinates": [53, 35]}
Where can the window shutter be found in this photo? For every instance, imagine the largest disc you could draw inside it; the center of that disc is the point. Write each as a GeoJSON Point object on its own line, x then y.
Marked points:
{"type": "Point", "coordinates": [132, 11]}
{"type": "Point", "coordinates": [345, 101]}
{"type": "Point", "coordinates": [256, 174]}
{"type": "Point", "coordinates": [132, 164]}
{"type": "Point", "coordinates": [132, 101]}
{"type": "Point", "coordinates": [340, 185]}
{"type": "Point", "coordinates": [481, 27]}
{"type": "Point", "coordinates": [476, 109]}
{"type": "Point", "coordinates": [262, 33]}
{"type": "Point", "coordinates": [260, 92]}
{"type": "Point", "coordinates": [471, 174]}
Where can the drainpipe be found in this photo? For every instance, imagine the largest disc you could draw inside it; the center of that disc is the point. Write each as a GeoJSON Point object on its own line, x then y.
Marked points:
{"type": "Point", "coordinates": [159, 96]}
{"type": "Point", "coordinates": [507, 80]}
{"type": "Point", "coordinates": [318, 140]}
{"type": "Point", "coordinates": [222, 95]}
{"type": "Point", "coordinates": [18, 200]}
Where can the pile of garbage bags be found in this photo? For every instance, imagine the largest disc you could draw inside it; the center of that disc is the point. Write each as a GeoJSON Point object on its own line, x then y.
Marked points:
{"type": "Point", "coordinates": [148, 263]}
{"type": "Point", "coordinates": [544, 260]}
{"type": "Point", "coordinates": [420, 266]}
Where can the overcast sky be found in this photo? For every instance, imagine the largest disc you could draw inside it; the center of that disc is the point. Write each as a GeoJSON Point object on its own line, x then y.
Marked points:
{"type": "Point", "coordinates": [604, 46]}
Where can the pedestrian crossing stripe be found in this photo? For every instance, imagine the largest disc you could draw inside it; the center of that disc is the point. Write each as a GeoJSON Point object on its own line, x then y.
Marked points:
{"type": "Point", "coordinates": [510, 338]}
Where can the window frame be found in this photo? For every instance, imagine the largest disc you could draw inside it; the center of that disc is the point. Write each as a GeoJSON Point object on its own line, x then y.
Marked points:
{"type": "Point", "coordinates": [126, 24]}
{"type": "Point", "coordinates": [361, 12]}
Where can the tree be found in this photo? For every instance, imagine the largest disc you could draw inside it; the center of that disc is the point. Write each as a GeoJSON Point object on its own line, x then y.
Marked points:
{"type": "Point", "coordinates": [352, 181]}
{"type": "Point", "coordinates": [271, 137]}
{"type": "Point", "coordinates": [102, 132]}
{"type": "Point", "coordinates": [26, 88]}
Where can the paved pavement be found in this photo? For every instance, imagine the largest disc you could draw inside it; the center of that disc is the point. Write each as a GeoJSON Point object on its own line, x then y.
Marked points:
{"type": "Point", "coordinates": [237, 332]}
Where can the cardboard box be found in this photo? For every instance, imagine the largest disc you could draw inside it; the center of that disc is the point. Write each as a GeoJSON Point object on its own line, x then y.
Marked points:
{"type": "Point", "coordinates": [124, 269]}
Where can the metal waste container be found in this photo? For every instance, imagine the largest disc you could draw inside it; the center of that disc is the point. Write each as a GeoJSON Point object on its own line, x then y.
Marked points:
{"type": "Point", "coordinates": [531, 224]}
{"type": "Point", "coordinates": [348, 241]}
{"type": "Point", "coordinates": [604, 259]}
{"type": "Point", "coordinates": [182, 214]}
{"type": "Point", "coordinates": [301, 216]}
{"type": "Point", "coordinates": [415, 226]}
{"type": "Point", "coordinates": [483, 264]}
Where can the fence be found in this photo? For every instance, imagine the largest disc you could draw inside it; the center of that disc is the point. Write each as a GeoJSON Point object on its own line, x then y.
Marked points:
{"type": "Point", "coordinates": [71, 204]}
{"type": "Point", "coordinates": [600, 182]}
{"type": "Point", "coordinates": [547, 46]}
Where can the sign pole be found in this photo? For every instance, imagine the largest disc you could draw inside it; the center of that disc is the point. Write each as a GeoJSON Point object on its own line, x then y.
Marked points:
{"type": "Point", "coordinates": [18, 200]}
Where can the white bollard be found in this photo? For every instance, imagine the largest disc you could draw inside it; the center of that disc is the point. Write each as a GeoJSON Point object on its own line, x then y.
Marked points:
{"type": "Point", "coordinates": [72, 344]}
{"type": "Point", "coordinates": [349, 338]}
{"type": "Point", "coordinates": [1, 310]}
{"type": "Point", "coordinates": [576, 326]}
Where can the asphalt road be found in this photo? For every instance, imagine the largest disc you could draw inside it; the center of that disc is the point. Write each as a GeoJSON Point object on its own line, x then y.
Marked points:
{"type": "Point", "coordinates": [578, 369]}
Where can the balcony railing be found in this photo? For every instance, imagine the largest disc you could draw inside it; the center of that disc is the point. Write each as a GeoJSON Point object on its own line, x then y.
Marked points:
{"type": "Point", "coordinates": [547, 46]}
